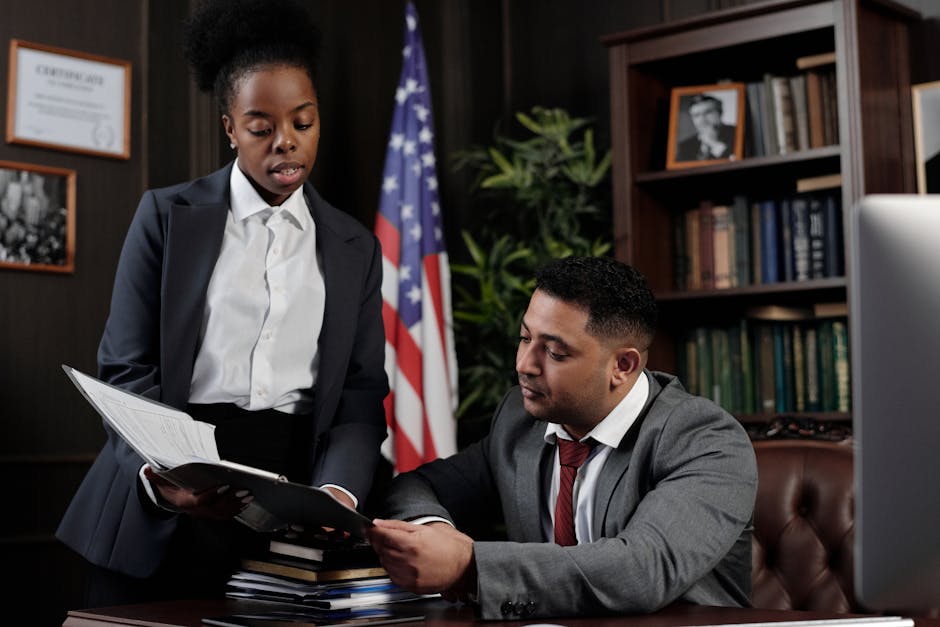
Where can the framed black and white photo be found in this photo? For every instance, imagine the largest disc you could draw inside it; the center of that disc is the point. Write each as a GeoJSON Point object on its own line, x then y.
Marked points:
{"type": "Point", "coordinates": [706, 125]}
{"type": "Point", "coordinates": [68, 100]}
{"type": "Point", "coordinates": [37, 217]}
{"type": "Point", "coordinates": [925, 99]}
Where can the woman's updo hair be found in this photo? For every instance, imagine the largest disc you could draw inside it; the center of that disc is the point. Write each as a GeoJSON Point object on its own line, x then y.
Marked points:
{"type": "Point", "coordinates": [223, 40]}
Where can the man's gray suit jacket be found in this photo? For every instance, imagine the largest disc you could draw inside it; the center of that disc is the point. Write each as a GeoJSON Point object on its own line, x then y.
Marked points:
{"type": "Point", "coordinates": [672, 509]}
{"type": "Point", "coordinates": [151, 340]}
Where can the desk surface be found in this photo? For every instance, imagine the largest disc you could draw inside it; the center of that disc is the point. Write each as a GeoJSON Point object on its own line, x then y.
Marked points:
{"type": "Point", "coordinates": [438, 614]}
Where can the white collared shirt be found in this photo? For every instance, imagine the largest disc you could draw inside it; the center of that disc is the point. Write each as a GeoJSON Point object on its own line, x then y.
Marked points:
{"type": "Point", "coordinates": [607, 435]}
{"type": "Point", "coordinates": [264, 307]}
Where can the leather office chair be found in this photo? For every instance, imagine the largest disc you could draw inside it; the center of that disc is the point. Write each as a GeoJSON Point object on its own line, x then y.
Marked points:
{"type": "Point", "coordinates": [804, 526]}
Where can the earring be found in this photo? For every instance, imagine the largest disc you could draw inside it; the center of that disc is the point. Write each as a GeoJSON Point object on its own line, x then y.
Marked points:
{"type": "Point", "coordinates": [232, 145]}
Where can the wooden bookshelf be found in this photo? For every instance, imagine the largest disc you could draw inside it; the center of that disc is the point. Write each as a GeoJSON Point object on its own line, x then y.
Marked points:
{"type": "Point", "coordinates": [874, 152]}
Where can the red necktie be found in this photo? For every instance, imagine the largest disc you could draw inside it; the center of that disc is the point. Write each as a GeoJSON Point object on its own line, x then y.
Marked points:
{"type": "Point", "coordinates": [571, 455]}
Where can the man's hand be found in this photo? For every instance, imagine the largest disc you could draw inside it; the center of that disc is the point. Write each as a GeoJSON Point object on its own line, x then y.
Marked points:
{"type": "Point", "coordinates": [218, 503]}
{"type": "Point", "coordinates": [709, 137]}
{"type": "Point", "coordinates": [426, 558]}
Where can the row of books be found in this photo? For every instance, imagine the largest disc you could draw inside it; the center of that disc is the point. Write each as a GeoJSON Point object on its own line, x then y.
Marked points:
{"type": "Point", "coordinates": [797, 112]}
{"type": "Point", "coordinates": [795, 238]}
{"type": "Point", "coordinates": [777, 360]}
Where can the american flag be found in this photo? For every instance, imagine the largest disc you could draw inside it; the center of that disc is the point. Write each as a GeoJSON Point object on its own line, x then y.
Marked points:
{"type": "Point", "coordinates": [419, 344]}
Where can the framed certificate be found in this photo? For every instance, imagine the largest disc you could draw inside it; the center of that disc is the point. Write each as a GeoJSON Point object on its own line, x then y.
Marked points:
{"type": "Point", "coordinates": [68, 100]}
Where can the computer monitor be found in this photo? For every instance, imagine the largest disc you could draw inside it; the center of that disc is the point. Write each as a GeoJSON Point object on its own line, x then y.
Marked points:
{"type": "Point", "coordinates": [894, 303]}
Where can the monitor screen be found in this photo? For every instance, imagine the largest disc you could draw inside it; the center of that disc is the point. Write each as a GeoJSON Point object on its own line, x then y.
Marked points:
{"type": "Point", "coordinates": [894, 303]}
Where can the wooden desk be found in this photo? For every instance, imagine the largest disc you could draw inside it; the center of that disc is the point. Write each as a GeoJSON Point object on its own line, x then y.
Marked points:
{"type": "Point", "coordinates": [439, 614]}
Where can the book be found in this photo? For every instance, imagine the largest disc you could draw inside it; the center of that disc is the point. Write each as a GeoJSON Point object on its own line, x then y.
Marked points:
{"type": "Point", "coordinates": [704, 362]}
{"type": "Point", "coordinates": [722, 241]}
{"type": "Point", "coordinates": [766, 386]}
{"type": "Point", "coordinates": [755, 123]}
{"type": "Point", "coordinates": [690, 363]}
{"type": "Point", "coordinates": [748, 404]}
{"type": "Point", "coordinates": [816, 183]}
{"type": "Point", "coordinates": [827, 366]}
{"type": "Point", "coordinates": [184, 452]}
{"type": "Point", "coordinates": [756, 251]}
{"type": "Point", "coordinates": [327, 552]}
{"type": "Point", "coordinates": [799, 368]}
{"type": "Point", "coordinates": [769, 242]}
{"type": "Point", "coordinates": [302, 572]}
{"type": "Point", "coordinates": [817, 238]}
{"type": "Point", "coordinates": [771, 146]}
{"type": "Point", "coordinates": [721, 368]}
{"type": "Point", "coordinates": [831, 111]}
{"type": "Point", "coordinates": [785, 228]}
{"type": "Point", "coordinates": [680, 269]}
{"type": "Point", "coordinates": [706, 245]}
{"type": "Point", "coordinates": [832, 234]}
{"type": "Point", "coordinates": [741, 223]}
{"type": "Point", "coordinates": [815, 109]}
{"type": "Point", "coordinates": [799, 237]}
{"type": "Point", "coordinates": [830, 310]}
{"type": "Point", "coordinates": [780, 367]}
{"type": "Point", "coordinates": [339, 596]}
{"type": "Point", "coordinates": [811, 367]}
{"type": "Point", "coordinates": [784, 118]}
{"type": "Point", "coordinates": [779, 313]}
{"type": "Point", "coordinates": [840, 346]}
{"type": "Point", "coordinates": [800, 111]}
{"type": "Point", "coordinates": [816, 60]}
{"type": "Point", "coordinates": [692, 247]}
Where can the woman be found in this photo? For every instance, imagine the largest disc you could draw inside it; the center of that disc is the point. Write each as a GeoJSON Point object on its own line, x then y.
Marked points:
{"type": "Point", "coordinates": [248, 301]}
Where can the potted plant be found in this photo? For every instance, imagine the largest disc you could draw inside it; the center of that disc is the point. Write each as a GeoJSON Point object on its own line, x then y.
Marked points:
{"type": "Point", "coordinates": [543, 199]}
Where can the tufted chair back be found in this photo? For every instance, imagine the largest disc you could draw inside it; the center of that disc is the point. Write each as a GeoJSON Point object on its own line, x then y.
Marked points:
{"type": "Point", "coordinates": [804, 527]}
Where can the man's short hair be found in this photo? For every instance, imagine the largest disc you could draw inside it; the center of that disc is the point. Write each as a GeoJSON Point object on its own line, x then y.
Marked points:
{"type": "Point", "coordinates": [618, 301]}
{"type": "Point", "coordinates": [699, 98]}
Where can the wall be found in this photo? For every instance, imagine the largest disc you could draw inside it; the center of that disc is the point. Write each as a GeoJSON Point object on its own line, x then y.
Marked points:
{"type": "Point", "coordinates": [50, 319]}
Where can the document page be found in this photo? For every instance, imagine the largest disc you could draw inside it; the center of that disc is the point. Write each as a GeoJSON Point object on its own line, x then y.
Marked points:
{"type": "Point", "coordinates": [164, 436]}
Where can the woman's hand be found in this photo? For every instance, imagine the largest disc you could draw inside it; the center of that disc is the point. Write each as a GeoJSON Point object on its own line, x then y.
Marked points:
{"type": "Point", "coordinates": [219, 503]}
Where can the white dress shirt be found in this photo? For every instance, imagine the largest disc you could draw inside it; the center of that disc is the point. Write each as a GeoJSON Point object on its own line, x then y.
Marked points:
{"type": "Point", "coordinates": [264, 310]}
{"type": "Point", "coordinates": [607, 436]}
{"type": "Point", "coordinates": [264, 307]}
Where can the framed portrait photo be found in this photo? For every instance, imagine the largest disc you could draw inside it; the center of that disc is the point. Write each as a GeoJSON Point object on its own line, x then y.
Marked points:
{"type": "Point", "coordinates": [925, 101]}
{"type": "Point", "coordinates": [68, 100]}
{"type": "Point", "coordinates": [37, 217]}
{"type": "Point", "coordinates": [706, 125]}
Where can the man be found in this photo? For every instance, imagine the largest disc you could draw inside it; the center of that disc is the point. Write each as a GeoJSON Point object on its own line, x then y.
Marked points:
{"type": "Point", "coordinates": [713, 139]}
{"type": "Point", "coordinates": [661, 506]}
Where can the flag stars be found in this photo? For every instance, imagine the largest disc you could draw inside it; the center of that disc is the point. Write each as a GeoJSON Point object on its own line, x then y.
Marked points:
{"type": "Point", "coordinates": [432, 183]}
{"type": "Point", "coordinates": [416, 168]}
{"type": "Point", "coordinates": [409, 148]}
{"type": "Point", "coordinates": [404, 273]}
{"type": "Point", "coordinates": [406, 51]}
{"type": "Point", "coordinates": [390, 184]}
{"type": "Point", "coordinates": [425, 135]}
{"type": "Point", "coordinates": [412, 22]}
{"type": "Point", "coordinates": [412, 87]}
{"type": "Point", "coordinates": [436, 208]}
{"type": "Point", "coordinates": [427, 159]}
{"type": "Point", "coordinates": [414, 294]}
{"type": "Point", "coordinates": [416, 232]}
{"type": "Point", "coordinates": [401, 95]}
{"type": "Point", "coordinates": [421, 112]}
{"type": "Point", "coordinates": [407, 212]}
{"type": "Point", "coordinates": [398, 139]}
{"type": "Point", "coordinates": [438, 234]}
